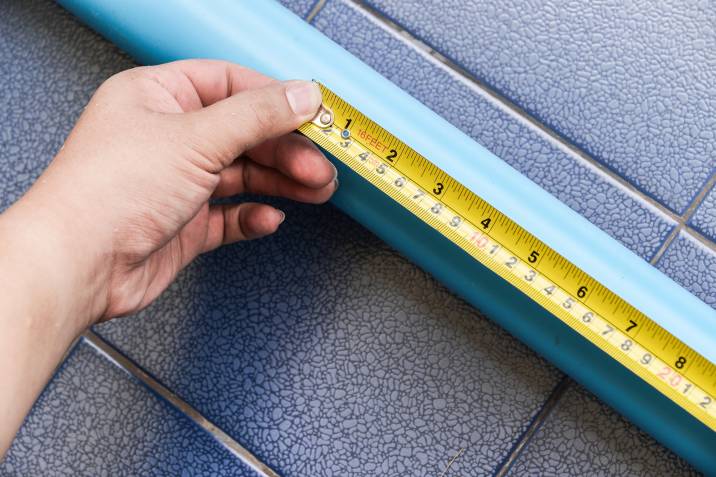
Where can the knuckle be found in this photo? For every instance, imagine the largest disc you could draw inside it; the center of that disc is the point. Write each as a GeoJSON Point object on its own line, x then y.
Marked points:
{"type": "Point", "coordinates": [119, 79]}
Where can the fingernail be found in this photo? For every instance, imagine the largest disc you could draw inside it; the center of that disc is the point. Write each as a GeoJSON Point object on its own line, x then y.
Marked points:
{"type": "Point", "coordinates": [283, 216]}
{"type": "Point", "coordinates": [335, 171]}
{"type": "Point", "coordinates": [304, 97]}
{"type": "Point", "coordinates": [335, 184]}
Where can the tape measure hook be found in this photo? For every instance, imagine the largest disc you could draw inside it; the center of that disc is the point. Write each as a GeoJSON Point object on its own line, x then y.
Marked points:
{"type": "Point", "coordinates": [324, 117]}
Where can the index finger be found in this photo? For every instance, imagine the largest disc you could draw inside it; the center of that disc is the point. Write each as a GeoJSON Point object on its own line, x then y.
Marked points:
{"type": "Point", "coordinates": [214, 80]}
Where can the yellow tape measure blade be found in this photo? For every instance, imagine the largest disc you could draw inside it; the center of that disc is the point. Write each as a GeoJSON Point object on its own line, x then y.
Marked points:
{"type": "Point", "coordinates": [503, 246]}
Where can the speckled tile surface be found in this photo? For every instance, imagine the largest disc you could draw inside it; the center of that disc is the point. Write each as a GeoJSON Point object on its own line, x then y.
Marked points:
{"type": "Point", "coordinates": [305, 347]}
{"type": "Point", "coordinates": [629, 82]}
{"type": "Point", "coordinates": [582, 187]}
{"type": "Point", "coordinates": [704, 219]}
{"type": "Point", "coordinates": [582, 436]}
{"type": "Point", "coordinates": [49, 68]}
{"type": "Point", "coordinates": [300, 7]}
{"type": "Point", "coordinates": [94, 419]}
{"type": "Point", "coordinates": [343, 359]}
{"type": "Point", "coordinates": [693, 265]}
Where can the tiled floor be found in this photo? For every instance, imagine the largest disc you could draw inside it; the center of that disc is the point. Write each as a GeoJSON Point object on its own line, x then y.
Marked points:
{"type": "Point", "coordinates": [692, 264]}
{"type": "Point", "coordinates": [309, 368]}
{"type": "Point", "coordinates": [504, 131]}
{"type": "Point", "coordinates": [333, 367]}
{"type": "Point", "coordinates": [74, 429]}
{"type": "Point", "coordinates": [584, 437]}
{"type": "Point", "coordinates": [704, 220]}
{"type": "Point", "coordinates": [629, 83]}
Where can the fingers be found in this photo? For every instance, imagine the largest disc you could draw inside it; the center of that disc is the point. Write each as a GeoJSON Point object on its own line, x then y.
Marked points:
{"type": "Point", "coordinates": [245, 176]}
{"type": "Point", "coordinates": [215, 80]}
{"type": "Point", "coordinates": [296, 157]}
{"type": "Point", "coordinates": [235, 222]}
{"type": "Point", "coordinates": [229, 127]}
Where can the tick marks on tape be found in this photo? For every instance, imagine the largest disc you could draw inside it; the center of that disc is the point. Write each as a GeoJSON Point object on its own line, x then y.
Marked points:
{"type": "Point", "coordinates": [510, 251]}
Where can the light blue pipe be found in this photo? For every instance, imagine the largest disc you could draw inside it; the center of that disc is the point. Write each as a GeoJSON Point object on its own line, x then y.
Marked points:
{"type": "Point", "coordinates": [265, 36]}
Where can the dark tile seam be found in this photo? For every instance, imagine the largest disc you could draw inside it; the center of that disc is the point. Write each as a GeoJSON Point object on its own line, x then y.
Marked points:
{"type": "Point", "coordinates": [534, 426]}
{"type": "Point", "coordinates": [557, 140]}
{"type": "Point", "coordinates": [701, 238]}
{"type": "Point", "coordinates": [527, 119]}
{"type": "Point", "coordinates": [317, 7]}
{"type": "Point", "coordinates": [118, 359]}
{"type": "Point", "coordinates": [134, 370]}
{"type": "Point", "coordinates": [682, 223]}
{"type": "Point", "coordinates": [239, 451]}
{"type": "Point", "coordinates": [549, 404]}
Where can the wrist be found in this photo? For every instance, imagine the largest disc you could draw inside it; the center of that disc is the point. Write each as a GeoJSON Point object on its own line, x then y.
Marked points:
{"type": "Point", "coordinates": [43, 308]}
{"type": "Point", "coordinates": [52, 277]}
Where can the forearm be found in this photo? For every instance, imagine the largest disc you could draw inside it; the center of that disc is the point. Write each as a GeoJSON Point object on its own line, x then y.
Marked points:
{"type": "Point", "coordinates": [43, 308]}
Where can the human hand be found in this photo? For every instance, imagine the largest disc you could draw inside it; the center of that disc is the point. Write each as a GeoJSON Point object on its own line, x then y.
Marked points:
{"type": "Point", "coordinates": [129, 191]}
{"type": "Point", "coordinates": [124, 206]}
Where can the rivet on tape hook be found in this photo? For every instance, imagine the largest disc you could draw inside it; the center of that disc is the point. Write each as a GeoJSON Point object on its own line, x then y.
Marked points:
{"type": "Point", "coordinates": [324, 117]}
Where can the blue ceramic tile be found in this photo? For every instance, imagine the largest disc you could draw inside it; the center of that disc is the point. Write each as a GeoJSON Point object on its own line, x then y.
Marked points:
{"type": "Point", "coordinates": [49, 68]}
{"type": "Point", "coordinates": [607, 204]}
{"type": "Point", "coordinates": [629, 82]}
{"type": "Point", "coordinates": [299, 7]}
{"type": "Point", "coordinates": [582, 436]}
{"type": "Point", "coordinates": [692, 264]}
{"type": "Point", "coordinates": [704, 220]}
{"type": "Point", "coordinates": [94, 419]}
{"type": "Point", "coordinates": [305, 347]}
{"type": "Point", "coordinates": [320, 348]}
{"type": "Point", "coordinates": [326, 353]}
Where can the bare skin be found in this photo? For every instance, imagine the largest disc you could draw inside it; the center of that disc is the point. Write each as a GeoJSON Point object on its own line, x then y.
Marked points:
{"type": "Point", "coordinates": [124, 206]}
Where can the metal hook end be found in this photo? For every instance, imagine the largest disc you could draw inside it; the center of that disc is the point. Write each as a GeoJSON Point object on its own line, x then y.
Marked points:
{"type": "Point", "coordinates": [324, 117]}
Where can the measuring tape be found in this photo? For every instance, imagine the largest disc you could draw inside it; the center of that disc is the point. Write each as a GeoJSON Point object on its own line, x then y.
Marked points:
{"type": "Point", "coordinates": [493, 239]}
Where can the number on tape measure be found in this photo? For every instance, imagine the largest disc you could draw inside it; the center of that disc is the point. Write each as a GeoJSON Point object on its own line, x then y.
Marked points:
{"type": "Point", "coordinates": [493, 239]}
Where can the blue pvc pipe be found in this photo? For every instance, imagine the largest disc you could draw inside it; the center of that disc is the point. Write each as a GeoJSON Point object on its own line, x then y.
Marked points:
{"type": "Point", "coordinates": [265, 36]}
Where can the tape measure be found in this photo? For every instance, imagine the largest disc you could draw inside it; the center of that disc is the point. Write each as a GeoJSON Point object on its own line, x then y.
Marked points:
{"type": "Point", "coordinates": [500, 244]}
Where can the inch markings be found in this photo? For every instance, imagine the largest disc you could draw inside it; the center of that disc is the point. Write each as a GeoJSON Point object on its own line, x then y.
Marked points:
{"type": "Point", "coordinates": [507, 249]}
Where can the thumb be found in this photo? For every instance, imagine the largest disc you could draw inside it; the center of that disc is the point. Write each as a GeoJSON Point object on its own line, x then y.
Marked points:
{"type": "Point", "coordinates": [236, 124]}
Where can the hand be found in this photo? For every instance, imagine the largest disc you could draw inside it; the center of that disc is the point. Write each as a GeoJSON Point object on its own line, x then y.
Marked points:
{"type": "Point", "coordinates": [130, 189]}
{"type": "Point", "coordinates": [124, 206]}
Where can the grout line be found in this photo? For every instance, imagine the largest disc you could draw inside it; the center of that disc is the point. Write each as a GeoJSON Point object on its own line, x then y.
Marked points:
{"type": "Point", "coordinates": [452, 461]}
{"type": "Point", "coordinates": [317, 7]}
{"type": "Point", "coordinates": [667, 243]}
{"type": "Point", "coordinates": [696, 202]}
{"type": "Point", "coordinates": [551, 402]}
{"type": "Point", "coordinates": [103, 347]}
{"type": "Point", "coordinates": [553, 137]}
{"type": "Point", "coordinates": [510, 106]}
{"type": "Point", "coordinates": [682, 223]}
{"type": "Point", "coordinates": [701, 238]}
{"type": "Point", "coordinates": [561, 388]}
